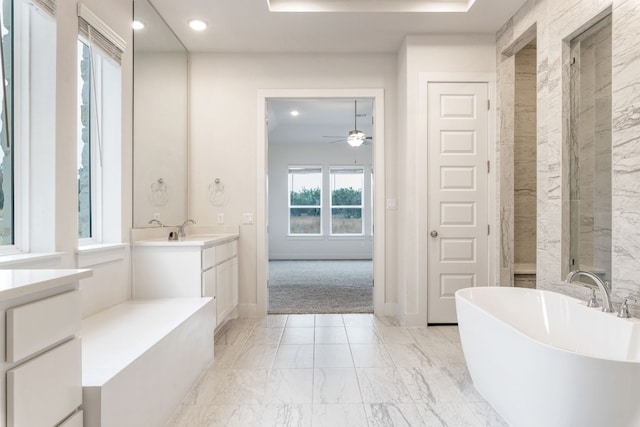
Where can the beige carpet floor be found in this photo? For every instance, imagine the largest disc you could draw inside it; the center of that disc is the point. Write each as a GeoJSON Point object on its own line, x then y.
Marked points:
{"type": "Point", "coordinates": [316, 287]}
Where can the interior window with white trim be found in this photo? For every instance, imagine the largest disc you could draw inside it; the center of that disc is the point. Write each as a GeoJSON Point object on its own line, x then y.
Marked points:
{"type": "Point", "coordinates": [347, 201]}
{"type": "Point", "coordinates": [305, 200]}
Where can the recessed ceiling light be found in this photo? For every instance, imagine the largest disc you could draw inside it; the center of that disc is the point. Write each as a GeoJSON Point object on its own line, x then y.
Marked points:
{"type": "Point", "coordinates": [137, 25]}
{"type": "Point", "coordinates": [197, 25]}
{"type": "Point", "coordinates": [295, 113]}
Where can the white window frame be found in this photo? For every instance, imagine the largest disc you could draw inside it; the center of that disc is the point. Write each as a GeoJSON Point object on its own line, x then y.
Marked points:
{"type": "Point", "coordinates": [105, 143]}
{"type": "Point", "coordinates": [290, 206]}
{"type": "Point", "coordinates": [361, 206]}
{"type": "Point", "coordinates": [30, 40]}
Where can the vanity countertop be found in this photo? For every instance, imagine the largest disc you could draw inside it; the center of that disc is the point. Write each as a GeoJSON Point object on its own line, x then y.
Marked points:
{"type": "Point", "coordinates": [202, 240]}
{"type": "Point", "coordinates": [16, 283]}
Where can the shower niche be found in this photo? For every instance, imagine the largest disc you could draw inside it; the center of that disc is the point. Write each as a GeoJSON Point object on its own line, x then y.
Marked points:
{"type": "Point", "coordinates": [518, 159]}
{"type": "Point", "coordinates": [525, 168]}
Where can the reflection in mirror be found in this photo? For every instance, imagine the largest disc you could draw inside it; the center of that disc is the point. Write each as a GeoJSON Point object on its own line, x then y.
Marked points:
{"type": "Point", "coordinates": [159, 121]}
{"type": "Point", "coordinates": [590, 150]}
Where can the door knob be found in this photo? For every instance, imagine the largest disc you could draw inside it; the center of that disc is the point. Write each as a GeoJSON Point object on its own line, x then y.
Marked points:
{"type": "Point", "coordinates": [434, 233]}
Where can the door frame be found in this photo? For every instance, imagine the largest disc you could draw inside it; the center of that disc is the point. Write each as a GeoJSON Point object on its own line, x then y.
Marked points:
{"type": "Point", "coordinates": [262, 242]}
{"type": "Point", "coordinates": [424, 78]}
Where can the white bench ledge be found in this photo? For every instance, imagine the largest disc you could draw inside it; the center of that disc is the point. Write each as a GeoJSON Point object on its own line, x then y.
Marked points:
{"type": "Point", "coordinates": [115, 337]}
{"type": "Point", "coordinates": [141, 357]}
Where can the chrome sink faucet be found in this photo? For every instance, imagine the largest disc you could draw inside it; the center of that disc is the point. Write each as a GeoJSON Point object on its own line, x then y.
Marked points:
{"type": "Point", "coordinates": [604, 287]}
{"type": "Point", "coordinates": [181, 233]}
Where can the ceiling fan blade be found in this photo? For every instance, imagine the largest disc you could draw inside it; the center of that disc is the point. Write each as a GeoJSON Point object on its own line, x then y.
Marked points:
{"type": "Point", "coordinates": [333, 136]}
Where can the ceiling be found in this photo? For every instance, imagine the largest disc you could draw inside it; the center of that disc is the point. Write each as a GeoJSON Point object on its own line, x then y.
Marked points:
{"type": "Point", "coordinates": [319, 120]}
{"type": "Point", "coordinates": [243, 26]}
{"type": "Point", "coordinates": [334, 26]}
{"type": "Point", "coordinates": [156, 36]}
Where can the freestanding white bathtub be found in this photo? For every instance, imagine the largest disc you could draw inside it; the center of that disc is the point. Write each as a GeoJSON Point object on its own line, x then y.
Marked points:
{"type": "Point", "coordinates": [543, 359]}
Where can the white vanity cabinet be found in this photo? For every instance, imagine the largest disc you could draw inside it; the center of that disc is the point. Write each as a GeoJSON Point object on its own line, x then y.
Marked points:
{"type": "Point", "coordinates": [226, 280]}
{"type": "Point", "coordinates": [167, 271]}
{"type": "Point", "coordinates": [42, 353]}
{"type": "Point", "coordinates": [204, 266]}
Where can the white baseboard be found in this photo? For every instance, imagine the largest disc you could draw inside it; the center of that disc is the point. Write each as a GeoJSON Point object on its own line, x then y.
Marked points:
{"type": "Point", "coordinates": [390, 309]}
{"type": "Point", "coordinates": [248, 310]}
{"type": "Point", "coordinates": [412, 320]}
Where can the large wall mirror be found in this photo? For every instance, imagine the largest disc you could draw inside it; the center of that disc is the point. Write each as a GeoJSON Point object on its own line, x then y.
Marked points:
{"type": "Point", "coordinates": [159, 121]}
{"type": "Point", "coordinates": [590, 150]}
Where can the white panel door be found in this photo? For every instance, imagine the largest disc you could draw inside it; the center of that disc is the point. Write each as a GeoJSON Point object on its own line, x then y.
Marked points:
{"type": "Point", "coordinates": [458, 178]}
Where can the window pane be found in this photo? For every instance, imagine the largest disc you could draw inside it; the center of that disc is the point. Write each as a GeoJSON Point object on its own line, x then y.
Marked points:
{"type": "Point", "coordinates": [305, 189]}
{"type": "Point", "coordinates": [346, 221]}
{"type": "Point", "coordinates": [6, 127]}
{"type": "Point", "coordinates": [84, 141]}
{"type": "Point", "coordinates": [347, 185]}
{"type": "Point", "coordinates": [304, 186]}
{"type": "Point", "coordinates": [304, 221]}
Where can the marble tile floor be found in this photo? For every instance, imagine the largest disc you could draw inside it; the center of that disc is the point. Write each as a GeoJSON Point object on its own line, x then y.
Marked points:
{"type": "Point", "coordinates": [335, 370]}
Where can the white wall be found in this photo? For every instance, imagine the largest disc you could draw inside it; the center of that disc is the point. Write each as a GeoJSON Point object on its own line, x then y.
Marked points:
{"type": "Point", "coordinates": [281, 156]}
{"type": "Point", "coordinates": [111, 283]}
{"type": "Point", "coordinates": [224, 90]}
{"type": "Point", "coordinates": [424, 54]}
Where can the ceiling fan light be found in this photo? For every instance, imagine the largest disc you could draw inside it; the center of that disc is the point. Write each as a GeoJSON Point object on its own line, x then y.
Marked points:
{"type": "Point", "coordinates": [356, 138]}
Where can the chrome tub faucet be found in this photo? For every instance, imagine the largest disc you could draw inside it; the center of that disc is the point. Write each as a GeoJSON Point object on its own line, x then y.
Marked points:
{"type": "Point", "coordinates": [605, 288]}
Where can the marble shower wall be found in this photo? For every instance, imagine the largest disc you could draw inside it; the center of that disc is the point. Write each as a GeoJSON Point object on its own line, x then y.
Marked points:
{"type": "Point", "coordinates": [555, 23]}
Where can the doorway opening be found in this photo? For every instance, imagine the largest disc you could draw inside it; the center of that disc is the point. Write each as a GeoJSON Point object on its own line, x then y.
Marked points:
{"type": "Point", "coordinates": [317, 252]}
{"type": "Point", "coordinates": [320, 199]}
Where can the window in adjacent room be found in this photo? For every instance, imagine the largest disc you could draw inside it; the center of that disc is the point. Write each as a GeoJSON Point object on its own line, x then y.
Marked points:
{"type": "Point", "coordinates": [347, 202]}
{"type": "Point", "coordinates": [305, 200]}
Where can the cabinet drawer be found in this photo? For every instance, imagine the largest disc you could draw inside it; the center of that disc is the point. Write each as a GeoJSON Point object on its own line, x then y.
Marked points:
{"type": "Point", "coordinates": [208, 258]}
{"type": "Point", "coordinates": [226, 251]}
{"type": "Point", "coordinates": [40, 324]}
{"type": "Point", "coordinates": [209, 283]}
{"type": "Point", "coordinates": [45, 390]}
{"type": "Point", "coordinates": [222, 253]}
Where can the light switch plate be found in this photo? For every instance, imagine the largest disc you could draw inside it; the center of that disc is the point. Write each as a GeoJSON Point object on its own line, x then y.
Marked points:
{"type": "Point", "coordinates": [247, 218]}
{"type": "Point", "coordinates": [392, 204]}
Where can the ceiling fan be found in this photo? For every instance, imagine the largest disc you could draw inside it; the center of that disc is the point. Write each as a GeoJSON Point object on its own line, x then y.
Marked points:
{"type": "Point", "coordinates": [356, 137]}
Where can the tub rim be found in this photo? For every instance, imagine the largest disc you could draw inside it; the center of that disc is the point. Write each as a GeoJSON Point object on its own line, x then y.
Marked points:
{"type": "Point", "coordinates": [460, 294]}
